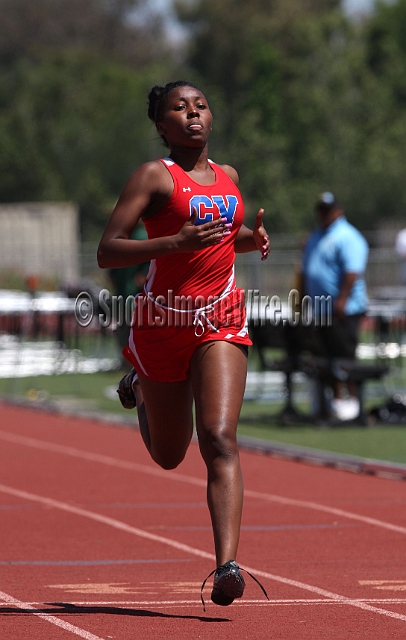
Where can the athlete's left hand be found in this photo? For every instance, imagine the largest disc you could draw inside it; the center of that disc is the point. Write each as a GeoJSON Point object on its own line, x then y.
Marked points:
{"type": "Point", "coordinates": [260, 236]}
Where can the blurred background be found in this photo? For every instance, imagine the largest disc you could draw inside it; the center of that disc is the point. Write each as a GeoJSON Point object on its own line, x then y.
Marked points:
{"type": "Point", "coordinates": [307, 95]}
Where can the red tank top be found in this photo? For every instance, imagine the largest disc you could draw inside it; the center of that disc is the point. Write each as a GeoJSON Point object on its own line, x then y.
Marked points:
{"type": "Point", "coordinates": [207, 272]}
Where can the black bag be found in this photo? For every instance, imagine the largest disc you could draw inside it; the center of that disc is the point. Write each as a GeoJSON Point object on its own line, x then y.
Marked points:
{"type": "Point", "coordinates": [392, 412]}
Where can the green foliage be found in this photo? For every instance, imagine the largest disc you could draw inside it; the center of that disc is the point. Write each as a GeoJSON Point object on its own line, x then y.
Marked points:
{"type": "Point", "coordinates": [304, 106]}
{"type": "Point", "coordinates": [74, 127]}
{"type": "Point", "coordinates": [17, 279]}
{"type": "Point", "coordinates": [102, 26]}
{"type": "Point", "coordinates": [304, 100]}
{"type": "Point", "coordinates": [74, 78]}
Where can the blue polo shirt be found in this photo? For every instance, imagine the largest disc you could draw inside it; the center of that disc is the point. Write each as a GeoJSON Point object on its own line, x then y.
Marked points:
{"type": "Point", "coordinates": [329, 254]}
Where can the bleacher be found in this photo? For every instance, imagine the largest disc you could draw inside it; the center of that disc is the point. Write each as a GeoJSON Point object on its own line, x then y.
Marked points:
{"type": "Point", "coordinates": [386, 322]}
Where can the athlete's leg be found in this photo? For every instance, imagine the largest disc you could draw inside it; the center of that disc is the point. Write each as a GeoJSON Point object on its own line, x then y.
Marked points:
{"type": "Point", "coordinates": [165, 418]}
{"type": "Point", "coordinates": [142, 415]}
{"type": "Point", "coordinates": [218, 374]}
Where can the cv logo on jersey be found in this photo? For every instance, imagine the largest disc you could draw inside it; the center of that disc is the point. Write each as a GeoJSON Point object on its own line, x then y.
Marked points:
{"type": "Point", "coordinates": [211, 208]}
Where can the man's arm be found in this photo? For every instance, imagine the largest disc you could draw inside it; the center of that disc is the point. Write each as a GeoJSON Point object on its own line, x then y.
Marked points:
{"type": "Point", "coordinates": [345, 290]}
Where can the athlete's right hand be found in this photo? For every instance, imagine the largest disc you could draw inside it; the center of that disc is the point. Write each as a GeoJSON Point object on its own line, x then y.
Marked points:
{"type": "Point", "coordinates": [193, 237]}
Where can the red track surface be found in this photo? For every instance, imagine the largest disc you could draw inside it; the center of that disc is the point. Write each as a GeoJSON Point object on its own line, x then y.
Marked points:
{"type": "Point", "coordinates": [97, 542]}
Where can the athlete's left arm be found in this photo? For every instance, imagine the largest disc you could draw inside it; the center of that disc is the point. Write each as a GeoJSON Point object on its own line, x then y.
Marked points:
{"type": "Point", "coordinates": [247, 239]}
{"type": "Point", "coordinates": [255, 240]}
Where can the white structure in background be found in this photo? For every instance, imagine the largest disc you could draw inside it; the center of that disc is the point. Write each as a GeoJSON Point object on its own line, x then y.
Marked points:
{"type": "Point", "coordinates": [46, 358]}
{"type": "Point", "coordinates": [40, 239]}
{"type": "Point", "coordinates": [400, 248]}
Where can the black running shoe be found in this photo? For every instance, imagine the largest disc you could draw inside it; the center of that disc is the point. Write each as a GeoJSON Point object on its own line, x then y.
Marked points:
{"type": "Point", "coordinates": [125, 390]}
{"type": "Point", "coordinates": [228, 584]}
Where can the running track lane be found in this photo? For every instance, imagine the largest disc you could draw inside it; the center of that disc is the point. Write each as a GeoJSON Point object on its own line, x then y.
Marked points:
{"type": "Point", "coordinates": [98, 542]}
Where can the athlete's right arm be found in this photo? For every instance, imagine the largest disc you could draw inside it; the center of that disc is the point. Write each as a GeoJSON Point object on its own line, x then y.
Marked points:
{"type": "Point", "coordinates": [146, 192]}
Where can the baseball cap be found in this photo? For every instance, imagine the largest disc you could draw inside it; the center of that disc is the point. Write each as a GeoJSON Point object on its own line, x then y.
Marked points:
{"type": "Point", "coordinates": [326, 201]}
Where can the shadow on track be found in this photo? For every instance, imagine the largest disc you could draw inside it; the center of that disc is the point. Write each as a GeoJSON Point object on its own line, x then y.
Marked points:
{"type": "Point", "coordinates": [60, 608]}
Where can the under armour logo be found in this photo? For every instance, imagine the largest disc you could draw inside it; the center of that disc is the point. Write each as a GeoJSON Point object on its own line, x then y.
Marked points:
{"type": "Point", "coordinates": [187, 189]}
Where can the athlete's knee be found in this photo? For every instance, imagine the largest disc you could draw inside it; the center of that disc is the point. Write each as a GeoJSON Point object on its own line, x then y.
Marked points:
{"type": "Point", "coordinates": [167, 460]}
{"type": "Point", "coordinates": [218, 443]}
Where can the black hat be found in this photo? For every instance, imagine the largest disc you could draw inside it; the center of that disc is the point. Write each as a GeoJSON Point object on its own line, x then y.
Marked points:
{"type": "Point", "coordinates": [326, 202]}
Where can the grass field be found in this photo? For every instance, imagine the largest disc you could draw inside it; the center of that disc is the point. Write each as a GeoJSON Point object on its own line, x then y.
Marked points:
{"type": "Point", "coordinates": [383, 442]}
{"type": "Point", "coordinates": [96, 392]}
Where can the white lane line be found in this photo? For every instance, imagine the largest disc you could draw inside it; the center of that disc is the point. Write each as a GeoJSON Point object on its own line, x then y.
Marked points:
{"type": "Point", "coordinates": [240, 603]}
{"type": "Point", "coordinates": [117, 524]}
{"type": "Point", "coordinates": [326, 509]}
{"type": "Point", "coordinates": [99, 457]}
{"type": "Point", "coordinates": [112, 522]}
{"type": "Point", "coordinates": [9, 600]}
{"type": "Point", "coordinates": [174, 475]}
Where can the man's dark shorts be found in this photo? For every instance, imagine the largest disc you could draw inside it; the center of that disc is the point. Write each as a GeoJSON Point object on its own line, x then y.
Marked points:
{"type": "Point", "coordinates": [340, 339]}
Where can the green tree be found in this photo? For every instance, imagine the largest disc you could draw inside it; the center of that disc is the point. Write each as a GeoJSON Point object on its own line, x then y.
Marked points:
{"type": "Point", "coordinates": [103, 26]}
{"type": "Point", "coordinates": [261, 59]}
{"type": "Point", "coordinates": [74, 76]}
{"type": "Point", "coordinates": [72, 127]}
{"type": "Point", "coordinates": [385, 37]}
{"type": "Point", "coordinates": [299, 106]}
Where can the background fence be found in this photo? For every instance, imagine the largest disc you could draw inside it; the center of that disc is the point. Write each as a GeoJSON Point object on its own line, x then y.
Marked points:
{"type": "Point", "coordinates": [276, 276]}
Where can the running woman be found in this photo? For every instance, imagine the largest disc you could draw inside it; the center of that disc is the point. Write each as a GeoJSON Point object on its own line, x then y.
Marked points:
{"type": "Point", "coordinates": [189, 341]}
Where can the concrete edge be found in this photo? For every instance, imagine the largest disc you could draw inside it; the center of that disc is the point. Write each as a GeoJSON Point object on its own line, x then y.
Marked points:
{"type": "Point", "coordinates": [50, 406]}
{"type": "Point", "coordinates": [319, 457]}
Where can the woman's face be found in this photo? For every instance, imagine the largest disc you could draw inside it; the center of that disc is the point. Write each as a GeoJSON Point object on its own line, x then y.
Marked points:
{"type": "Point", "coordinates": [186, 118]}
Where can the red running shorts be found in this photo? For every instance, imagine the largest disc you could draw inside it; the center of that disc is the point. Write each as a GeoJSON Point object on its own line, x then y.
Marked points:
{"type": "Point", "coordinates": [162, 340]}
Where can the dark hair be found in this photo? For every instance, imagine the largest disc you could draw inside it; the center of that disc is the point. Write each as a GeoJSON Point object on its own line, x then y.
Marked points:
{"type": "Point", "coordinates": [158, 95]}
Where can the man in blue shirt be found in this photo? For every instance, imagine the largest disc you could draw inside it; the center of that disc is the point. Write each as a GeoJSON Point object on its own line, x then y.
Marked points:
{"type": "Point", "coordinates": [334, 263]}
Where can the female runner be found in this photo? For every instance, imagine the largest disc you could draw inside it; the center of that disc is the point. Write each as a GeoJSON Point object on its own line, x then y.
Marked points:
{"type": "Point", "coordinates": [189, 340]}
